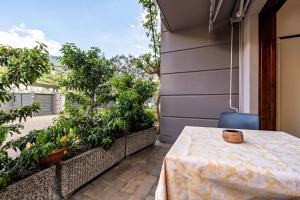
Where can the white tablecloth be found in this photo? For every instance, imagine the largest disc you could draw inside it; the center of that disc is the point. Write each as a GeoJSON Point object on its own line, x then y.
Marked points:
{"type": "Point", "coordinates": [201, 165]}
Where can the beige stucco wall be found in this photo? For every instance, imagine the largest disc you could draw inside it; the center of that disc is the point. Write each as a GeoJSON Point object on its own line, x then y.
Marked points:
{"type": "Point", "coordinates": [288, 84]}
{"type": "Point", "coordinates": [288, 19]}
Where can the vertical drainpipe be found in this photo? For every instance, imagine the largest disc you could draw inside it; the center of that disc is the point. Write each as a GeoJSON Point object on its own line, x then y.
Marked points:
{"type": "Point", "coordinates": [237, 18]}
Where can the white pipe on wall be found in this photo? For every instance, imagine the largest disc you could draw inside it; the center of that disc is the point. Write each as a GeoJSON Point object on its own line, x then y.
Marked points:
{"type": "Point", "coordinates": [231, 69]}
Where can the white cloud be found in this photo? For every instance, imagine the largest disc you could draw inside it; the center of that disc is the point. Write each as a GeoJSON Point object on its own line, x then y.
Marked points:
{"type": "Point", "coordinates": [142, 16]}
{"type": "Point", "coordinates": [131, 41]}
{"type": "Point", "coordinates": [21, 36]}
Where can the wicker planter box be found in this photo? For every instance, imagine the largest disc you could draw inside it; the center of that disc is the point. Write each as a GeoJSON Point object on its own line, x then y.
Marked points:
{"type": "Point", "coordinates": [140, 140]}
{"type": "Point", "coordinates": [79, 170]}
{"type": "Point", "coordinates": [42, 185]}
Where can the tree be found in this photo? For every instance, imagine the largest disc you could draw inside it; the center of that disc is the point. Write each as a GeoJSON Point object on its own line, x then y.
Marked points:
{"type": "Point", "coordinates": [87, 79]}
{"type": "Point", "coordinates": [126, 65]}
{"type": "Point", "coordinates": [19, 67]}
{"type": "Point", "coordinates": [150, 62]}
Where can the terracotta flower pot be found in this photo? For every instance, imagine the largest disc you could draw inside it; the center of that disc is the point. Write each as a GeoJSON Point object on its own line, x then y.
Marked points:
{"type": "Point", "coordinates": [54, 158]}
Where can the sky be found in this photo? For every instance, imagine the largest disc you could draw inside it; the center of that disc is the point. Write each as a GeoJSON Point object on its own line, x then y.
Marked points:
{"type": "Point", "coordinates": [112, 25]}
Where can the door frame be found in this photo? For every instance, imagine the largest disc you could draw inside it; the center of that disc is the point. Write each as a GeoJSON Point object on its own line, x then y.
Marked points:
{"type": "Point", "coordinates": [267, 103]}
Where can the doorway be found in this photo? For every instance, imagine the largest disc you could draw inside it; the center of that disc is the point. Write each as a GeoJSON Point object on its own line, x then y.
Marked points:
{"type": "Point", "coordinates": [279, 65]}
{"type": "Point", "coordinates": [288, 70]}
{"type": "Point", "coordinates": [267, 107]}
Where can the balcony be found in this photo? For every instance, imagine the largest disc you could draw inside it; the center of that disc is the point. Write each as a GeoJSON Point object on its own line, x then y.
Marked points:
{"type": "Point", "coordinates": [237, 58]}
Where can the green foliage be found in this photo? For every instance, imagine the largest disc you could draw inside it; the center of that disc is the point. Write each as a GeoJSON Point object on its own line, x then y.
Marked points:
{"type": "Point", "coordinates": [149, 118]}
{"type": "Point", "coordinates": [8, 129]}
{"type": "Point", "coordinates": [151, 24]}
{"type": "Point", "coordinates": [19, 113]}
{"type": "Point", "coordinates": [86, 82]}
{"type": "Point", "coordinates": [113, 123]}
{"type": "Point", "coordinates": [129, 113]}
{"type": "Point", "coordinates": [42, 142]}
{"type": "Point", "coordinates": [127, 64]}
{"type": "Point", "coordinates": [22, 67]}
{"type": "Point", "coordinates": [86, 132]}
{"type": "Point", "coordinates": [106, 142]}
{"type": "Point", "coordinates": [34, 146]}
{"type": "Point", "coordinates": [150, 62]}
{"type": "Point", "coordinates": [88, 88]}
{"type": "Point", "coordinates": [19, 66]}
{"type": "Point", "coordinates": [7, 166]}
{"type": "Point", "coordinates": [76, 103]}
{"type": "Point", "coordinates": [56, 73]}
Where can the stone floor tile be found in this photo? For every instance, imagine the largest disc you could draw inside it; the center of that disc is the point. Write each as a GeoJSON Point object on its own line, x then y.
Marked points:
{"type": "Point", "coordinates": [146, 178]}
{"type": "Point", "coordinates": [141, 192]}
{"type": "Point", "coordinates": [132, 179]}
{"type": "Point", "coordinates": [131, 187]}
{"type": "Point", "coordinates": [150, 197]}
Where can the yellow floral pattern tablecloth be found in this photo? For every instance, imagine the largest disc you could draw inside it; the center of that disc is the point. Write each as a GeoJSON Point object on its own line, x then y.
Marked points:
{"type": "Point", "coordinates": [201, 165]}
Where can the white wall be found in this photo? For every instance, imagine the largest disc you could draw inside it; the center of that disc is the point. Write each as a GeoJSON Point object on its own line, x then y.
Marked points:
{"type": "Point", "coordinates": [249, 55]}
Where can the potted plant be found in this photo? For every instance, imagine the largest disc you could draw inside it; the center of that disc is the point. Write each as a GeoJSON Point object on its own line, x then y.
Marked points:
{"type": "Point", "coordinates": [60, 150]}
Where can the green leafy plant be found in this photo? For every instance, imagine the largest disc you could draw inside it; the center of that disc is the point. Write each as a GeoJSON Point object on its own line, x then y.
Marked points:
{"type": "Point", "coordinates": [113, 122]}
{"type": "Point", "coordinates": [19, 66]}
{"type": "Point", "coordinates": [88, 89]}
{"type": "Point", "coordinates": [36, 145]}
{"type": "Point", "coordinates": [22, 67]}
{"type": "Point", "coordinates": [150, 62]}
{"type": "Point", "coordinates": [7, 166]}
{"type": "Point", "coordinates": [87, 80]}
{"type": "Point", "coordinates": [127, 64]}
{"type": "Point", "coordinates": [92, 134]}
{"type": "Point", "coordinates": [129, 113]}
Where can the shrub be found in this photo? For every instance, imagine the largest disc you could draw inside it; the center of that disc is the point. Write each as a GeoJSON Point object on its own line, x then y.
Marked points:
{"type": "Point", "coordinates": [149, 118]}
{"type": "Point", "coordinates": [89, 133]}
{"type": "Point", "coordinates": [87, 86]}
{"type": "Point", "coordinates": [36, 145]}
{"type": "Point", "coordinates": [129, 113]}
{"type": "Point", "coordinates": [21, 66]}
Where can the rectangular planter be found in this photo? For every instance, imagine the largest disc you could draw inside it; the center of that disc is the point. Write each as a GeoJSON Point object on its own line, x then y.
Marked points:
{"type": "Point", "coordinates": [140, 140]}
{"type": "Point", "coordinates": [79, 170]}
{"type": "Point", "coordinates": [42, 185]}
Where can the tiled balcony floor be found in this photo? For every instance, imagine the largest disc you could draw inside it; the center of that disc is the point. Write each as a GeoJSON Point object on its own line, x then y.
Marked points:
{"type": "Point", "coordinates": [135, 178]}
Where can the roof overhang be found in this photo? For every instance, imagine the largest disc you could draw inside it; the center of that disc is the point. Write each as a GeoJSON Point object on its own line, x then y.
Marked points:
{"type": "Point", "coordinates": [180, 14]}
